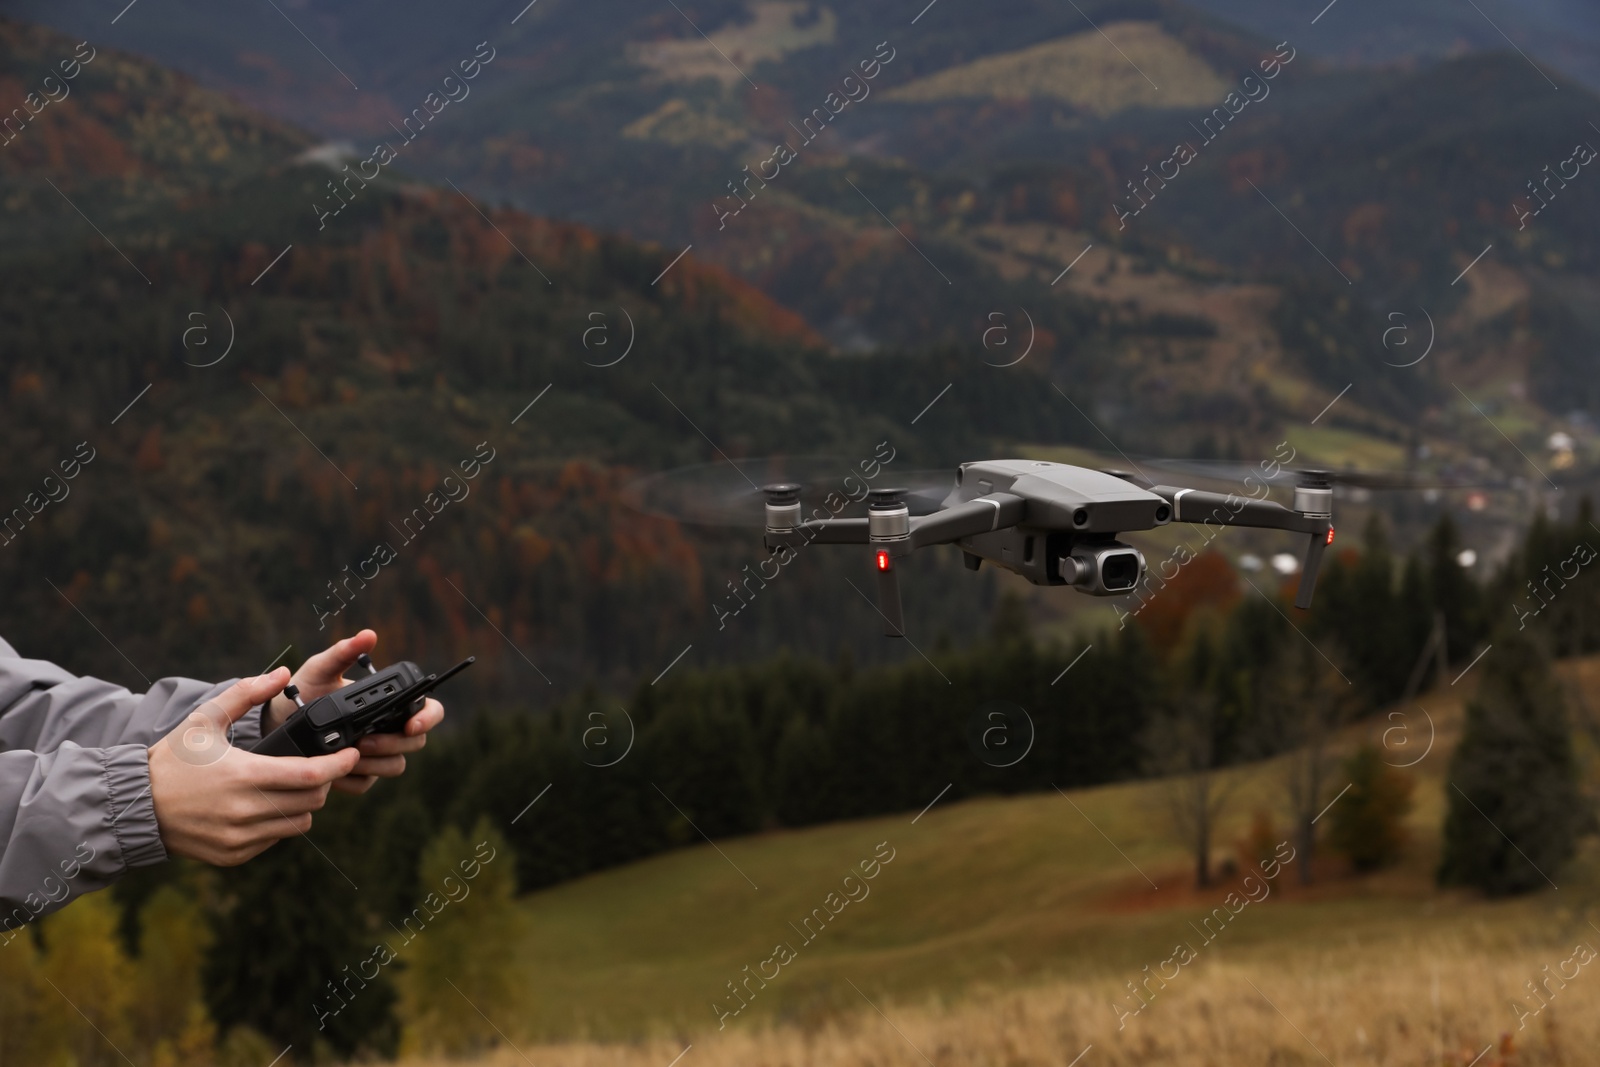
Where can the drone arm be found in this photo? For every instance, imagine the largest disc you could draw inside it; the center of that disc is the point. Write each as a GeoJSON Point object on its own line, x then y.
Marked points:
{"type": "Point", "coordinates": [981, 515]}
{"type": "Point", "coordinates": [820, 531]}
{"type": "Point", "coordinates": [985, 513]}
{"type": "Point", "coordinates": [1199, 506]}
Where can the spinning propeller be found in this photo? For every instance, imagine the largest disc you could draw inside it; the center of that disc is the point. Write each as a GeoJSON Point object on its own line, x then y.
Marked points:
{"type": "Point", "coordinates": [731, 494]}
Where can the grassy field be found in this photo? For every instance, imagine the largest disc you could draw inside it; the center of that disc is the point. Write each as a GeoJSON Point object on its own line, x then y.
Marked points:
{"type": "Point", "coordinates": [1079, 70]}
{"type": "Point", "coordinates": [1003, 931]}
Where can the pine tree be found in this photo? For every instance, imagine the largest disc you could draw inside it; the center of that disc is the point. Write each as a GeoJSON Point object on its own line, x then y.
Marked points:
{"type": "Point", "coordinates": [801, 766]}
{"type": "Point", "coordinates": [1369, 821]}
{"type": "Point", "coordinates": [291, 935]}
{"type": "Point", "coordinates": [1515, 807]}
{"type": "Point", "coordinates": [1358, 608]}
{"type": "Point", "coordinates": [1453, 591]}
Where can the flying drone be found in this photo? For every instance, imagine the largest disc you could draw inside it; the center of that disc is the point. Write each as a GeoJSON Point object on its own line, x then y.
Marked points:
{"type": "Point", "coordinates": [1054, 524]}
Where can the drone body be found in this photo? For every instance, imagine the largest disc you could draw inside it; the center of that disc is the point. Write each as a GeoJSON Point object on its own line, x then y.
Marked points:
{"type": "Point", "coordinates": [1052, 523]}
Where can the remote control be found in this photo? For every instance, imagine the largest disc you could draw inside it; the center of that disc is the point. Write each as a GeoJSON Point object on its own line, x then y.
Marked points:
{"type": "Point", "coordinates": [378, 703]}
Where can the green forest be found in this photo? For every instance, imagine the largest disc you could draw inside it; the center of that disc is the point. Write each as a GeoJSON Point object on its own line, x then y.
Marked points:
{"type": "Point", "coordinates": [711, 754]}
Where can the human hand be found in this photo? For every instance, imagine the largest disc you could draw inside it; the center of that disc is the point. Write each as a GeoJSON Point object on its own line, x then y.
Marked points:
{"type": "Point", "coordinates": [382, 755]}
{"type": "Point", "coordinates": [222, 805]}
{"type": "Point", "coordinates": [319, 676]}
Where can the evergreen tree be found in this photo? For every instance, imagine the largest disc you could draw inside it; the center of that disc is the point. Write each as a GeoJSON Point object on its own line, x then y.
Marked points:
{"type": "Point", "coordinates": [1358, 606]}
{"type": "Point", "coordinates": [702, 757]}
{"type": "Point", "coordinates": [801, 771]}
{"type": "Point", "coordinates": [1414, 611]}
{"type": "Point", "coordinates": [1515, 808]}
{"type": "Point", "coordinates": [1453, 591]}
{"type": "Point", "coordinates": [1553, 582]}
{"type": "Point", "coordinates": [290, 926]}
{"type": "Point", "coordinates": [1368, 822]}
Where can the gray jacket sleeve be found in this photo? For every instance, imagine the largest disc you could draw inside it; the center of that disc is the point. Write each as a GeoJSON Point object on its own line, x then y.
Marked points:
{"type": "Point", "coordinates": [75, 805]}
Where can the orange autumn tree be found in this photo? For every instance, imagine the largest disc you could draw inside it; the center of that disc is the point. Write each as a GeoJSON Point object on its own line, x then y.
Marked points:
{"type": "Point", "coordinates": [1208, 580]}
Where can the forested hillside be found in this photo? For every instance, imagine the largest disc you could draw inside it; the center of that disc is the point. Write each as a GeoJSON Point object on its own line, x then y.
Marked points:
{"type": "Point", "coordinates": [268, 401]}
{"type": "Point", "coordinates": [988, 151]}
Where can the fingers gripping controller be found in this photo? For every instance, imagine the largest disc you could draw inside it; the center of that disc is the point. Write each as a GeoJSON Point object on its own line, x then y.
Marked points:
{"type": "Point", "coordinates": [379, 703]}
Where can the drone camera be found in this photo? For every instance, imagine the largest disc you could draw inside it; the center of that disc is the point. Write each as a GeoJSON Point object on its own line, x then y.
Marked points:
{"type": "Point", "coordinates": [1120, 570]}
{"type": "Point", "coordinates": [1107, 569]}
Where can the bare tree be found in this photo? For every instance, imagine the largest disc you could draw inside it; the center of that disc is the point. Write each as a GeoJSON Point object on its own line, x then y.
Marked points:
{"type": "Point", "coordinates": [1181, 747]}
{"type": "Point", "coordinates": [1303, 700]}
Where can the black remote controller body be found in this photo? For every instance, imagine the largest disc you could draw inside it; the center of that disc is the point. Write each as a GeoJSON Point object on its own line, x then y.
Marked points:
{"type": "Point", "coordinates": [378, 703]}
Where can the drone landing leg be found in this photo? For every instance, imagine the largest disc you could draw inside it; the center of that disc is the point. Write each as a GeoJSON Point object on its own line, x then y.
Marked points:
{"type": "Point", "coordinates": [889, 598]}
{"type": "Point", "coordinates": [1316, 545]}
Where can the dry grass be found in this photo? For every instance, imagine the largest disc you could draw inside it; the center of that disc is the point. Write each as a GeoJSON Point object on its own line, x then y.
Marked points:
{"type": "Point", "coordinates": [679, 122]}
{"type": "Point", "coordinates": [1421, 1002]}
{"type": "Point", "coordinates": [775, 28]}
{"type": "Point", "coordinates": [1006, 931]}
{"type": "Point", "coordinates": [1084, 71]}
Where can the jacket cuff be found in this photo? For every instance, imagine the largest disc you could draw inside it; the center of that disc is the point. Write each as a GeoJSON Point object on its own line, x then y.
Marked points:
{"type": "Point", "coordinates": [130, 807]}
{"type": "Point", "coordinates": [246, 731]}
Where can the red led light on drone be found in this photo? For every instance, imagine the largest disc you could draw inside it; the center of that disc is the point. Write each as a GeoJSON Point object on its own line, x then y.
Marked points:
{"type": "Point", "coordinates": [1330, 535]}
{"type": "Point", "coordinates": [883, 560]}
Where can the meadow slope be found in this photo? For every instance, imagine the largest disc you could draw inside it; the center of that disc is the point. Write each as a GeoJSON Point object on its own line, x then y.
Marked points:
{"type": "Point", "coordinates": [1005, 931]}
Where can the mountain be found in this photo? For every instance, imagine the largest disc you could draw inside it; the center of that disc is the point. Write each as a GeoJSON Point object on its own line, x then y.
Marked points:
{"type": "Point", "coordinates": [999, 145]}
{"type": "Point", "coordinates": [249, 405]}
{"type": "Point", "coordinates": [1565, 34]}
{"type": "Point", "coordinates": [384, 328]}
